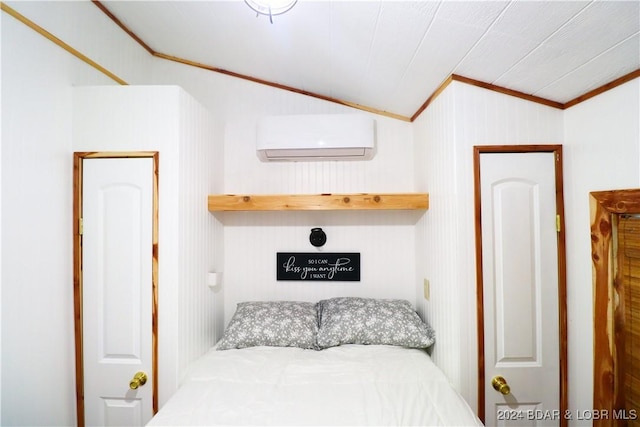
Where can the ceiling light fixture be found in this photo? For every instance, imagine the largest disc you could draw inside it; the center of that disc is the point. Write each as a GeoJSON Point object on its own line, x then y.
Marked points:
{"type": "Point", "coordinates": [270, 7]}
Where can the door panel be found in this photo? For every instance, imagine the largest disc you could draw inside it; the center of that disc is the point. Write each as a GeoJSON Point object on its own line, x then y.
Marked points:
{"type": "Point", "coordinates": [117, 206]}
{"type": "Point", "coordinates": [121, 412]}
{"type": "Point", "coordinates": [517, 265]}
{"type": "Point", "coordinates": [520, 287]}
{"type": "Point", "coordinates": [120, 262]}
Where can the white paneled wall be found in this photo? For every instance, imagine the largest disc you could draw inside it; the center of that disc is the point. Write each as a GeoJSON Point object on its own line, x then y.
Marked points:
{"type": "Point", "coordinates": [37, 299]}
{"type": "Point", "coordinates": [391, 170]}
{"type": "Point", "coordinates": [87, 29]}
{"type": "Point", "coordinates": [461, 117]}
{"type": "Point", "coordinates": [37, 284]}
{"type": "Point", "coordinates": [437, 234]}
{"type": "Point", "coordinates": [384, 239]}
{"type": "Point", "coordinates": [252, 239]}
{"type": "Point", "coordinates": [166, 119]}
{"type": "Point", "coordinates": [37, 81]}
{"type": "Point", "coordinates": [602, 149]}
{"type": "Point", "coordinates": [201, 250]}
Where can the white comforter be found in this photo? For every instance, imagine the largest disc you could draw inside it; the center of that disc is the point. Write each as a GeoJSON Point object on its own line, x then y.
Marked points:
{"type": "Point", "coordinates": [346, 385]}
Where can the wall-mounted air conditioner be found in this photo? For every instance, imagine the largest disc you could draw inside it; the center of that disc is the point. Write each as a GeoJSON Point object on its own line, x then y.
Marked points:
{"type": "Point", "coordinates": [315, 137]}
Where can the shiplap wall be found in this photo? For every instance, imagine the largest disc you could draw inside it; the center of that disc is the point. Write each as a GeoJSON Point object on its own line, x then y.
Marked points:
{"type": "Point", "coordinates": [87, 29]}
{"type": "Point", "coordinates": [384, 239]}
{"type": "Point", "coordinates": [385, 242]}
{"type": "Point", "coordinates": [437, 233]}
{"type": "Point", "coordinates": [37, 283]}
{"type": "Point", "coordinates": [166, 119]}
{"type": "Point", "coordinates": [37, 78]}
{"type": "Point", "coordinates": [461, 117]}
{"type": "Point", "coordinates": [602, 152]}
{"type": "Point", "coordinates": [201, 248]}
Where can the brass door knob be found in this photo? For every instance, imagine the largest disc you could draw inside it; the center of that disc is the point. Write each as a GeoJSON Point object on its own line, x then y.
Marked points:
{"type": "Point", "coordinates": [139, 379]}
{"type": "Point", "coordinates": [500, 384]}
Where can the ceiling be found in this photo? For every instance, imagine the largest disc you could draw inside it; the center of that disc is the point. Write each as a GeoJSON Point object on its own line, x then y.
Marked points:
{"type": "Point", "coordinates": [391, 56]}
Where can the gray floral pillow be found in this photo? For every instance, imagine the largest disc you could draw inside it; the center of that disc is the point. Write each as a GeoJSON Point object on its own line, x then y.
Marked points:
{"type": "Point", "coordinates": [272, 323]}
{"type": "Point", "coordinates": [351, 320]}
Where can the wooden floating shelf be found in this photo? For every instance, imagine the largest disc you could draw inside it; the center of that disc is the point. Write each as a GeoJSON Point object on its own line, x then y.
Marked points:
{"type": "Point", "coordinates": [318, 202]}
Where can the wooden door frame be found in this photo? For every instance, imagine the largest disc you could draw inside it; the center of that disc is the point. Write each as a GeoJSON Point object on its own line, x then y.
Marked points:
{"type": "Point", "coordinates": [562, 268]}
{"type": "Point", "coordinates": [78, 158]}
{"type": "Point", "coordinates": [608, 336]}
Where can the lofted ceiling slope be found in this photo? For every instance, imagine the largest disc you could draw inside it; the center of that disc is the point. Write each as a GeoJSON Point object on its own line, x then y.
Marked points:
{"type": "Point", "coordinates": [391, 56]}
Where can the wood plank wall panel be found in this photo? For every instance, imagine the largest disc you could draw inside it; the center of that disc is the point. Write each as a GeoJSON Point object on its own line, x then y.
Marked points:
{"type": "Point", "coordinates": [127, 118]}
{"type": "Point", "coordinates": [33, 349]}
{"type": "Point", "coordinates": [598, 133]}
{"type": "Point", "coordinates": [33, 59]}
{"type": "Point", "coordinates": [200, 234]}
{"type": "Point", "coordinates": [438, 259]}
{"type": "Point", "coordinates": [253, 238]}
{"type": "Point", "coordinates": [167, 120]}
{"type": "Point", "coordinates": [39, 76]}
{"type": "Point", "coordinates": [491, 118]}
{"type": "Point", "coordinates": [460, 118]}
{"type": "Point", "coordinates": [84, 27]}
{"type": "Point", "coordinates": [228, 100]}
{"type": "Point", "coordinates": [385, 241]}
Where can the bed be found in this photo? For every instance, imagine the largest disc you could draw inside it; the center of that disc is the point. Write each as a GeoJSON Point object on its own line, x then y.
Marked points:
{"type": "Point", "coordinates": [343, 361]}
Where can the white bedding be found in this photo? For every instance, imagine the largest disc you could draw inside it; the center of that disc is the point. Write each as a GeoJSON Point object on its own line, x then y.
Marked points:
{"type": "Point", "coordinates": [345, 385]}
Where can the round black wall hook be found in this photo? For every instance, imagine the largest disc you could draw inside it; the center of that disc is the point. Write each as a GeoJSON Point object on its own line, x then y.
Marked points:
{"type": "Point", "coordinates": [317, 237]}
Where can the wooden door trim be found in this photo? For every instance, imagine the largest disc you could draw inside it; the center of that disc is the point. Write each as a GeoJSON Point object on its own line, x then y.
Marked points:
{"type": "Point", "coordinates": [562, 268]}
{"type": "Point", "coordinates": [78, 159]}
{"type": "Point", "coordinates": [604, 208]}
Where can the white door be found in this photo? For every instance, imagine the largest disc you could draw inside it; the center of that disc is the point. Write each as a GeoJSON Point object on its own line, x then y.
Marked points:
{"type": "Point", "coordinates": [520, 287]}
{"type": "Point", "coordinates": [117, 209]}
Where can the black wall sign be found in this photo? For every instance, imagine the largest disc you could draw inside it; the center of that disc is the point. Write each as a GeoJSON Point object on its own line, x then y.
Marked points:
{"type": "Point", "coordinates": [318, 266]}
